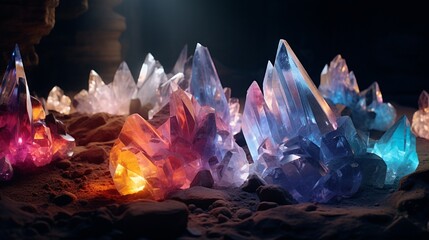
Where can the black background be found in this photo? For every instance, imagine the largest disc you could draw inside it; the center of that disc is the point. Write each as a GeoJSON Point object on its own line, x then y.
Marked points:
{"type": "Point", "coordinates": [383, 42]}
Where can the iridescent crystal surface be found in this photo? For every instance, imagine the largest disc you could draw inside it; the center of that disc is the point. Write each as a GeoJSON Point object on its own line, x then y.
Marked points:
{"type": "Point", "coordinates": [162, 159]}
{"type": "Point", "coordinates": [28, 138]}
{"type": "Point", "coordinates": [397, 147]}
{"type": "Point", "coordinates": [420, 122]}
{"type": "Point", "coordinates": [339, 86]}
{"type": "Point", "coordinates": [295, 138]}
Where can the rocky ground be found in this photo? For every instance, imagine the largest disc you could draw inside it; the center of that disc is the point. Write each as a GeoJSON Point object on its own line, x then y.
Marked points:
{"type": "Point", "coordinates": [75, 199]}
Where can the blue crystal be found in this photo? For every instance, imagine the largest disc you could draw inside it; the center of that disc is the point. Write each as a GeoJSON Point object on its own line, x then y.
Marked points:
{"type": "Point", "coordinates": [397, 147]}
{"type": "Point", "coordinates": [205, 85]}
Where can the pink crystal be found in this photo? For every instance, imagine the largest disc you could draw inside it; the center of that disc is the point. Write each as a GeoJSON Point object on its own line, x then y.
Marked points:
{"type": "Point", "coordinates": [161, 159]}
{"type": "Point", "coordinates": [420, 122]}
{"type": "Point", "coordinates": [26, 140]}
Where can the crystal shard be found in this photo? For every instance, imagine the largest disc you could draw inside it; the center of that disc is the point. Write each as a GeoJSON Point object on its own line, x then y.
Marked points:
{"type": "Point", "coordinates": [207, 89]}
{"type": "Point", "coordinates": [339, 86]}
{"type": "Point", "coordinates": [26, 140]}
{"type": "Point", "coordinates": [169, 157]}
{"type": "Point", "coordinates": [397, 147]}
{"type": "Point", "coordinates": [420, 121]}
{"type": "Point", "coordinates": [58, 102]}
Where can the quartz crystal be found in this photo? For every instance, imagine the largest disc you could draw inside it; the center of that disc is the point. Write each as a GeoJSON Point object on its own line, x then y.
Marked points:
{"type": "Point", "coordinates": [397, 147]}
{"type": "Point", "coordinates": [162, 159]}
{"type": "Point", "coordinates": [58, 102]}
{"type": "Point", "coordinates": [420, 123]}
{"type": "Point", "coordinates": [113, 98]}
{"type": "Point", "coordinates": [28, 138]}
{"type": "Point", "coordinates": [206, 87]}
{"type": "Point", "coordinates": [295, 138]}
{"type": "Point", "coordinates": [368, 111]}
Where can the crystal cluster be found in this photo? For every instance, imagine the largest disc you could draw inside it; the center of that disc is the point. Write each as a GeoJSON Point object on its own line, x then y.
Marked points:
{"type": "Point", "coordinates": [58, 101]}
{"type": "Point", "coordinates": [368, 111]}
{"type": "Point", "coordinates": [162, 159]}
{"type": "Point", "coordinates": [28, 138]}
{"type": "Point", "coordinates": [420, 122]}
{"type": "Point", "coordinates": [296, 140]}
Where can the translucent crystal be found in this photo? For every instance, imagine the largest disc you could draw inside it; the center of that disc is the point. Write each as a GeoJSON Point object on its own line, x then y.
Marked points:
{"type": "Point", "coordinates": [339, 86]}
{"type": "Point", "coordinates": [207, 89]}
{"type": "Point", "coordinates": [26, 139]}
{"type": "Point", "coordinates": [294, 137]}
{"type": "Point", "coordinates": [397, 147]}
{"type": "Point", "coordinates": [57, 101]}
{"type": "Point", "coordinates": [169, 157]}
{"type": "Point", "coordinates": [420, 121]}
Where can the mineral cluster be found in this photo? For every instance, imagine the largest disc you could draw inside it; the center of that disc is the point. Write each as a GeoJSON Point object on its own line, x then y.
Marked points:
{"type": "Point", "coordinates": [420, 122]}
{"type": "Point", "coordinates": [297, 141]}
{"type": "Point", "coordinates": [28, 138]}
{"type": "Point", "coordinates": [159, 160]}
{"type": "Point", "coordinates": [368, 111]}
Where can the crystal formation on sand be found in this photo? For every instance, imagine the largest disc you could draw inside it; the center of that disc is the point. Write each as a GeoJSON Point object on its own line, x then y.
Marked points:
{"type": "Point", "coordinates": [206, 87]}
{"type": "Point", "coordinates": [420, 123]}
{"type": "Point", "coordinates": [296, 140]}
{"type": "Point", "coordinates": [368, 111]}
{"type": "Point", "coordinates": [28, 138]}
{"type": "Point", "coordinates": [397, 147]}
{"type": "Point", "coordinates": [162, 159]}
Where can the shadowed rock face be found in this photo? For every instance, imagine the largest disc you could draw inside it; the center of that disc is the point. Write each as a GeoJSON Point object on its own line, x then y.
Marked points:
{"type": "Point", "coordinates": [25, 23]}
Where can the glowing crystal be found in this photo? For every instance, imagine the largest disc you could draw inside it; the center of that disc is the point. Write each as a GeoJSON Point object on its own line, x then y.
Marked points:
{"type": "Point", "coordinates": [26, 139]}
{"type": "Point", "coordinates": [294, 137]}
{"type": "Point", "coordinates": [206, 87]}
{"type": "Point", "coordinates": [339, 86]}
{"type": "Point", "coordinates": [169, 157]}
{"type": "Point", "coordinates": [57, 101]}
{"type": "Point", "coordinates": [420, 123]}
{"type": "Point", "coordinates": [397, 147]}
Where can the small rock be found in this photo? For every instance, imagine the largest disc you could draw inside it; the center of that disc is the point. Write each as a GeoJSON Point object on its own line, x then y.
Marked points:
{"type": "Point", "coordinates": [219, 203]}
{"type": "Point", "coordinates": [252, 183]}
{"type": "Point", "coordinates": [221, 210]}
{"type": "Point", "coordinates": [203, 178]}
{"type": "Point", "coordinates": [41, 227]}
{"type": "Point", "coordinates": [275, 193]}
{"type": "Point", "coordinates": [243, 213]}
{"type": "Point", "coordinates": [63, 164]}
{"type": "Point", "coordinates": [64, 198]}
{"type": "Point", "coordinates": [222, 218]}
{"type": "Point", "coordinates": [266, 205]}
{"type": "Point", "coordinates": [192, 207]}
{"type": "Point", "coordinates": [310, 208]}
{"type": "Point", "coordinates": [199, 196]}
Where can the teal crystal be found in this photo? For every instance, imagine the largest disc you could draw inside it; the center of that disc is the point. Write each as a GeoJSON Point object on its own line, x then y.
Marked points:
{"type": "Point", "coordinates": [397, 147]}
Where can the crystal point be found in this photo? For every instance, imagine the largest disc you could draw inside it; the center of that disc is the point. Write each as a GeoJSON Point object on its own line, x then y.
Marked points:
{"type": "Point", "coordinates": [397, 147]}
{"type": "Point", "coordinates": [26, 140]}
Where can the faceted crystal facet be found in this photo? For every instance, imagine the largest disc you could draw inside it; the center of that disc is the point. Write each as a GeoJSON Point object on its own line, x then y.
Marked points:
{"type": "Point", "coordinates": [368, 110]}
{"type": "Point", "coordinates": [207, 89]}
{"type": "Point", "coordinates": [420, 121]}
{"type": "Point", "coordinates": [169, 157]}
{"type": "Point", "coordinates": [58, 102]}
{"type": "Point", "coordinates": [294, 137]}
{"type": "Point", "coordinates": [26, 139]}
{"type": "Point", "coordinates": [397, 147]}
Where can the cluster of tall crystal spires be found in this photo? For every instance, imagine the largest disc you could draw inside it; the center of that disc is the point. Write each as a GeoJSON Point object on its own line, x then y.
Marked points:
{"type": "Point", "coordinates": [297, 140]}
{"type": "Point", "coordinates": [198, 136]}
{"type": "Point", "coordinates": [28, 137]}
{"type": "Point", "coordinates": [150, 94]}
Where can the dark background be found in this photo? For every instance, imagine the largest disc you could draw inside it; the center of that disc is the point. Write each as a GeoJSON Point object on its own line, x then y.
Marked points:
{"type": "Point", "coordinates": [387, 43]}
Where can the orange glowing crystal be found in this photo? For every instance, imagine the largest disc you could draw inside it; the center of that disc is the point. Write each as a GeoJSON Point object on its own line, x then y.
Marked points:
{"type": "Point", "coordinates": [162, 159]}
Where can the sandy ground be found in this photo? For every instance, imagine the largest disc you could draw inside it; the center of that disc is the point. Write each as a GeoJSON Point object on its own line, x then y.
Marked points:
{"type": "Point", "coordinates": [75, 198]}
